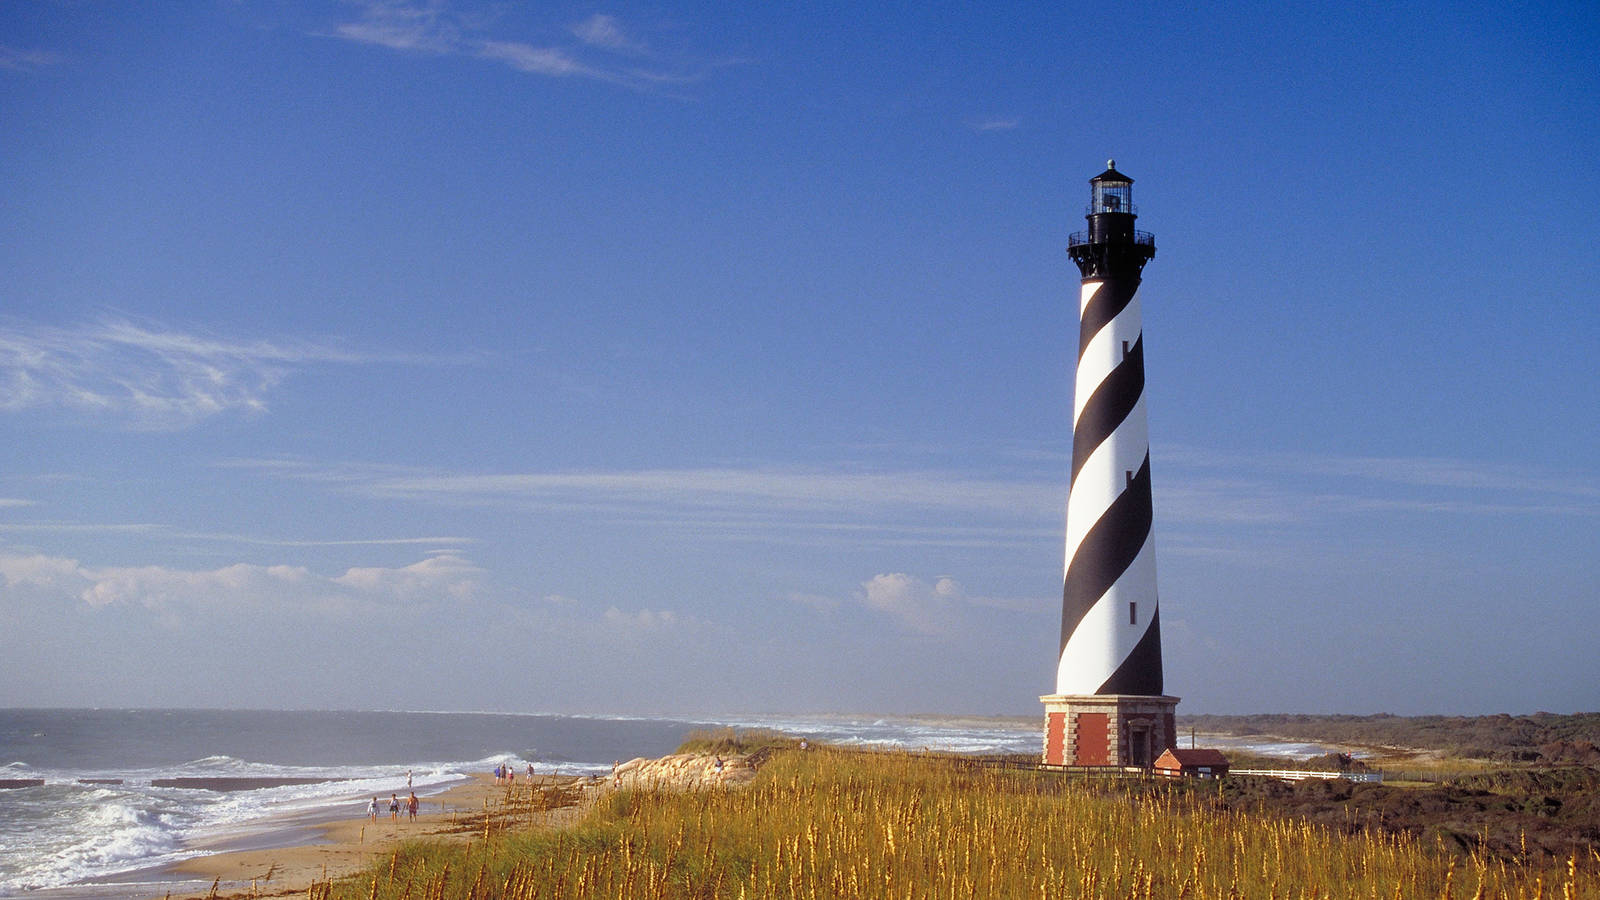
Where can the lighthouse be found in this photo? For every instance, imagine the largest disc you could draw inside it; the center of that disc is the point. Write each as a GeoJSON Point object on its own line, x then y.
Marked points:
{"type": "Point", "coordinates": [1109, 709]}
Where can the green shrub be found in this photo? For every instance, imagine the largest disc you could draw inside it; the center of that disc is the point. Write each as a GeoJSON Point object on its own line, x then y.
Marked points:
{"type": "Point", "coordinates": [732, 741]}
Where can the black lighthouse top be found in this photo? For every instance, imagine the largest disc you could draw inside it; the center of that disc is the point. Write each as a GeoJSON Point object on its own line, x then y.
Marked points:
{"type": "Point", "coordinates": [1111, 248]}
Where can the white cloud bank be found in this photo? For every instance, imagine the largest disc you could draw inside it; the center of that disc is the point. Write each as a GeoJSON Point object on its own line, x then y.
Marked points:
{"type": "Point", "coordinates": [940, 608]}
{"type": "Point", "coordinates": [931, 609]}
{"type": "Point", "coordinates": [443, 578]}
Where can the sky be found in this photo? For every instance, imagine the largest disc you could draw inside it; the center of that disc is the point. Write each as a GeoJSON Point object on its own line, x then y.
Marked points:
{"type": "Point", "coordinates": [668, 358]}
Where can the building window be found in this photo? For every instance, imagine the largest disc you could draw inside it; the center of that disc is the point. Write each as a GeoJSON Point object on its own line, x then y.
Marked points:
{"type": "Point", "coordinates": [1133, 612]}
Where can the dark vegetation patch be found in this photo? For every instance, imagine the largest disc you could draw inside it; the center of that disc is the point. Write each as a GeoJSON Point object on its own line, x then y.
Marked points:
{"type": "Point", "coordinates": [1538, 796]}
{"type": "Point", "coordinates": [1522, 815]}
{"type": "Point", "coordinates": [1544, 738]}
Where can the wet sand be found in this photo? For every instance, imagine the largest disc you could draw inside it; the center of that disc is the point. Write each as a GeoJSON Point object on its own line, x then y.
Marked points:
{"type": "Point", "coordinates": [331, 850]}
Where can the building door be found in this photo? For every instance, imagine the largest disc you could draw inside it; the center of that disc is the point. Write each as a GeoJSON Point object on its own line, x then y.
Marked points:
{"type": "Point", "coordinates": [1139, 744]}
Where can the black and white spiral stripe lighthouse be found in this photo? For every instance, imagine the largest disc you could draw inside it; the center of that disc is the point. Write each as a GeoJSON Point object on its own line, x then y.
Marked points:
{"type": "Point", "coordinates": [1108, 708]}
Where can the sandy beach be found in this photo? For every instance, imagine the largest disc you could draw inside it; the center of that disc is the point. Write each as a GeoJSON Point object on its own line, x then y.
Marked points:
{"type": "Point", "coordinates": [346, 846]}
{"type": "Point", "coordinates": [339, 848]}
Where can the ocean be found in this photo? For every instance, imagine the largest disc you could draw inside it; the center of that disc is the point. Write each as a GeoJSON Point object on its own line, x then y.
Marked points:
{"type": "Point", "coordinates": [114, 797]}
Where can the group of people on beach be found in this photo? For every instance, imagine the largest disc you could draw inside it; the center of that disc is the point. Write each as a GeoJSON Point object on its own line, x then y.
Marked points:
{"type": "Point", "coordinates": [410, 804]}
{"type": "Point", "coordinates": [505, 774]}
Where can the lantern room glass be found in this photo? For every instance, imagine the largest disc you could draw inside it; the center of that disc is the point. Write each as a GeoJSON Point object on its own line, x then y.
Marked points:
{"type": "Point", "coordinates": [1111, 197]}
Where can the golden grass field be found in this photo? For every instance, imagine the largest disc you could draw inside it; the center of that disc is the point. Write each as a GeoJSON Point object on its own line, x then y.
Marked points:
{"type": "Point", "coordinates": [827, 824]}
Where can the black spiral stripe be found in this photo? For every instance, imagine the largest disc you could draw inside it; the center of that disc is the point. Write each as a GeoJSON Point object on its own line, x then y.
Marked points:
{"type": "Point", "coordinates": [1109, 299]}
{"type": "Point", "coordinates": [1106, 551]}
{"type": "Point", "coordinates": [1140, 672]}
{"type": "Point", "coordinates": [1113, 399]}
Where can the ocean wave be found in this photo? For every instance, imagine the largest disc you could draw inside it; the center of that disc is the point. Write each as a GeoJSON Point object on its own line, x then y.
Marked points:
{"type": "Point", "coordinates": [92, 833]}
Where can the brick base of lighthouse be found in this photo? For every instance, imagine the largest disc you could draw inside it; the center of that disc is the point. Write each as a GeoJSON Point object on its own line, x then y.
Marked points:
{"type": "Point", "coordinates": [1108, 730]}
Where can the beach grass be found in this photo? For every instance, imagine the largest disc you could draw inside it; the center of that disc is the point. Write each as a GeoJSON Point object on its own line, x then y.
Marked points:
{"type": "Point", "coordinates": [832, 824]}
{"type": "Point", "coordinates": [731, 741]}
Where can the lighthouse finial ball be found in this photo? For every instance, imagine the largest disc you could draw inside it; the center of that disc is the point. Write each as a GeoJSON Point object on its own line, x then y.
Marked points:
{"type": "Point", "coordinates": [1111, 164]}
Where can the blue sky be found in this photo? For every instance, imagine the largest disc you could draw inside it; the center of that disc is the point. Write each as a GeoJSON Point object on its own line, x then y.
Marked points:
{"type": "Point", "coordinates": [685, 359]}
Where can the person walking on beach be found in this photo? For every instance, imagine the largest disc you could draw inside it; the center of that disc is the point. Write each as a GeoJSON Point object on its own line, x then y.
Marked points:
{"type": "Point", "coordinates": [411, 805]}
{"type": "Point", "coordinates": [394, 808]}
{"type": "Point", "coordinates": [372, 808]}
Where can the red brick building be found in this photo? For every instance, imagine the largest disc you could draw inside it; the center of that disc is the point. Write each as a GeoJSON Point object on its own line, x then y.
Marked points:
{"type": "Point", "coordinates": [1199, 763]}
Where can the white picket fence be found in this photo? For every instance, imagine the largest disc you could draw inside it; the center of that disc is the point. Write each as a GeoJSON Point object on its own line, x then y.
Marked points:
{"type": "Point", "coordinates": [1302, 775]}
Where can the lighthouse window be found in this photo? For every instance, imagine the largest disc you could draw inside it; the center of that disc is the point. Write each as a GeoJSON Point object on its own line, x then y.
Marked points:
{"type": "Point", "coordinates": [1133, 612]}
{"type": "Point", "coordinates": [1124, 349]}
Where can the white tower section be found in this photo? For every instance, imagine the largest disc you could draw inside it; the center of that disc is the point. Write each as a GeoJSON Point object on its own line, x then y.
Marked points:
{"type": "Point", "coordinates": [1102, 534]}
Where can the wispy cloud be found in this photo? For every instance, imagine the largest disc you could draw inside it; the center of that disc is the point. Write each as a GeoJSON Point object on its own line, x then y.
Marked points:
{"type": "Point", "coordinates": [1263, 509]}
{"type": "Point", "coordinates": [552, 61]}
{"type": "Point", "coordinates": [354, 542]}
{"type": "Point", "coordinates": [729, 502]}
{"type": "Point", "coordinates": [169, 534]}
{"type": "Point", "coordinates": [1197, 495]}
{"type": "Point", "coordinates": [403, 26]}
{"type": "Point", "coordinates": [1439, 472]}
{"type": "Point", "coordinates": [19, 60]}
{"type": "Point", "coordinates": [642, 620]}
{"type": "Point", "coordinates": [817, 602]}
{"type": "Point", "coordinates": [993, 124]}
{"type": "Point", "coordinates": [605, 31]}
{"type": "Point", "coordinates": [147, 376]}
{"type": "Point", "coordinates": [599, 48]}
{"type": "Point", "coordinates": [80, 527]}
{"type": "Point", "coordinates": [1200, 485]}
{"type": "Point", "coordinates": [781, 490]}
{"type": "Point", "coordinates": [793, 506]}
